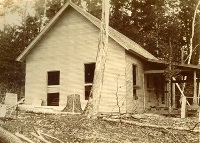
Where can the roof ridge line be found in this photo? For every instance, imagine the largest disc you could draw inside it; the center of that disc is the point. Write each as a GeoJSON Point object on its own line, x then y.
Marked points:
{"type": "Point", "coordinates": [121, 39]}
{"type": "Point", "coordinates": [112, 32]}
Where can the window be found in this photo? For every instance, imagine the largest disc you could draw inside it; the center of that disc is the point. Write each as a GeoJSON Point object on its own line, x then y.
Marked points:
{"type": "Point", "coordinates": [53, 99]}
{"type": "Point", "coordinates": [87, 91]}
{"type": "Point", "coordinates": [89, 72]}
{"type": "Point", "coordinates": [148, 81]}
{"type": "Point", "coordinates": [163, 89]}
{"type": "Point", "coordinates": [89, 76]}
{"type": "Point", "coordinates": [54, 78]}
{"type": "Point", "coordinates": [134, 74]}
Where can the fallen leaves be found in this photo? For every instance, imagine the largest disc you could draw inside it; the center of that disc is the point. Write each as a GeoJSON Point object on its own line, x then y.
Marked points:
{"type": "Point", "coordinates": [77, 128]}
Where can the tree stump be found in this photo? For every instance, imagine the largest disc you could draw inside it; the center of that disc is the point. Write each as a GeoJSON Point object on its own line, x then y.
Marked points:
{"type": "Point", "coordinates": [73, 104]}
{"type": "Point", "coordinates": [7, 137]}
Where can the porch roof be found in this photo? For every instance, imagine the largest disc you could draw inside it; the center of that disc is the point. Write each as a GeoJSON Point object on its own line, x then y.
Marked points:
{"type": "Point", "coordinates": [159, 67]}
{"type": "Point", "coordinates": [183, 66]}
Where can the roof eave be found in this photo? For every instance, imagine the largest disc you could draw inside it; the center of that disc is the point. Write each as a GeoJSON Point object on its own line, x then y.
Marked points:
{"type": "Point", "coordinates": [133, 52]}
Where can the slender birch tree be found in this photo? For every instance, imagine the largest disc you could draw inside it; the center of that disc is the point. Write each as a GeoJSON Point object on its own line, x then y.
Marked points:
{"type": "Point", "coordinates": [192, 34]}
{"type": "Point", "coordinates": [191, 46]}
{"type": "Point", "coordinates": [96, 92]}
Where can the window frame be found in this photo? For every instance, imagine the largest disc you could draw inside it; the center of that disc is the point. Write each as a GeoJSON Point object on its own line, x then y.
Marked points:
{"type": "Point", "coordinates": [134, 80]}
{"type": "Point", "coordinates": [88, 84]}
{"type": "Point", "coordinates": [53, 78]}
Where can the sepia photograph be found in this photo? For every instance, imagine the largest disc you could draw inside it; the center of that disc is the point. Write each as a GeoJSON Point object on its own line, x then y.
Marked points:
{"type": "Point", "coordinates": [99, 71]}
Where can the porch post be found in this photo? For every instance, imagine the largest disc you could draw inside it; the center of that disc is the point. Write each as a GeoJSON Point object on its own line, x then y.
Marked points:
{"type": "Point", "coordinates": [143, 79]}
{"type": "Point", "coordinates": [183, 106]}
{"type": "Point", "coordinates": [195, 89]}
{"type": "Point", "coordinates": [173, 95]}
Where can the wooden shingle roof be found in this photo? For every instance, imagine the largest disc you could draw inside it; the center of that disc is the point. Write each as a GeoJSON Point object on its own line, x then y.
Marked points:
{"type": "Point", "coordinates": [124, 41]}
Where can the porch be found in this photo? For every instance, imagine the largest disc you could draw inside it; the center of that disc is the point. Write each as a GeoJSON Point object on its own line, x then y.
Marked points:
{"type": "Point", "coordinates": [161, 94]}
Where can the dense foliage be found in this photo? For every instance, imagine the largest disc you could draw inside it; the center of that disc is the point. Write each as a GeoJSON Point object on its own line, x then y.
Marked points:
{"type": "Point", "coordinates": [14, 39]}
{"type": "Point", "coordinates": [12, 42]}
{"type": "Point", "coordinates": [162, 27]}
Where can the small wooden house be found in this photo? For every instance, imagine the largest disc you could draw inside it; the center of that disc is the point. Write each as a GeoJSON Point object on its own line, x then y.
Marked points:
{"type": "Point", "coordinates": [60, 61]}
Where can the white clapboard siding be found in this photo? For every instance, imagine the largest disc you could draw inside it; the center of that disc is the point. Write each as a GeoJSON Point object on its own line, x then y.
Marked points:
{"type": "Point", "coordinates": [115, 66]}
{"type": "Point", "coordinates": [70, 43]}
{"type": "Point", "coordinates": [132, 103]}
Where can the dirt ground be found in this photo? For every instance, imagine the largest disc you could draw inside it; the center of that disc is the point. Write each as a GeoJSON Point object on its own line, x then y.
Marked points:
{"type": "Point", "coordinates": [78, 129]}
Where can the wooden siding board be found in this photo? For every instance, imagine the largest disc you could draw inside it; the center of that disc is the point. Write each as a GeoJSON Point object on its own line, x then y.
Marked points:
{"type": "Point", "coordinates": [69, 44]}
{"type": "Point", "coordinates": [62, 51]}
{"type": "Point", "coordinates": [133, 104]}
{"type": "Point", "coordinates": [118, 37]}
{"type": "Point", "coordinates": [115, 65]}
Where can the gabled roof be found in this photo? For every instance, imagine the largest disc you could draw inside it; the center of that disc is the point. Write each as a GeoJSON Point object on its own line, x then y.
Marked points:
{"type": "Point", "coordinates": [125, 42]}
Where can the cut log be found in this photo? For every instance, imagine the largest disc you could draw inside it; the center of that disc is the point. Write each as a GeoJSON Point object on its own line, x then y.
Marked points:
{"type": "Point", "coordinates": [52, 137]}
{"type": "Point", "coordinates": [23, 138]}
{"type": "Point", "coordinates": [7, 137]}
{"type": "Point", "coordinates": [40, 138]}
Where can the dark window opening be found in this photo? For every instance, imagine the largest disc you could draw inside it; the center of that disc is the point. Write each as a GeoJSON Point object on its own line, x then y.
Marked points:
{"type": "Point", "coordinates": [54, 78]}
{"type": "Point", "coordinates": [134, 73]}
{"type": "Point", "coordinates": [53, 99]}
{"type": "Point", "coordinates": [87, 91]}
{"type": "Point", "coordinates": [163, 89]}
{"type": "Point", "coordinates": [89, 72]}
{"type": "Point", "coordinates": [148, 81]}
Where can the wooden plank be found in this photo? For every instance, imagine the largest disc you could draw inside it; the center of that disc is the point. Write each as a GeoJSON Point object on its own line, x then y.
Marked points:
{"type": "Point", "coordinates": [182, 94]}
{"type": "Point", "coordinates": [195, 89]}
{"type": "Point", "coordinates": [143, 79]}
{"type": "Point", "coordinates": [173, 95]}
{"type": "Point", "coordinates": [21, 136]}
{"type": "Point", "coordinates": [153, 71]}
{"type": "Point", "coordinates": [182, 81]}
{"type": "Point", "coordinates": [183, 106]}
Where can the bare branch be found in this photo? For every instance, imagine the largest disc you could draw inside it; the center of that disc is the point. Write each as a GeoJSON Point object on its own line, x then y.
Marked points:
{"type": "Point", "coordinates": [23, 138]}
{"type": "Point", "coordinates": [52, 137]}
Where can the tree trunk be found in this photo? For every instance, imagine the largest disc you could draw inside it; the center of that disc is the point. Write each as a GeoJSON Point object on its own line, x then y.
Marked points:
{"type": "Point", "coordinates": [169, 97]}
{"type": "Point", "coordinates": [191, 40]}
{"type": "Point", "coordinates": [94, 101]}
{"type": "Point", "coordinates": [192, 35]}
